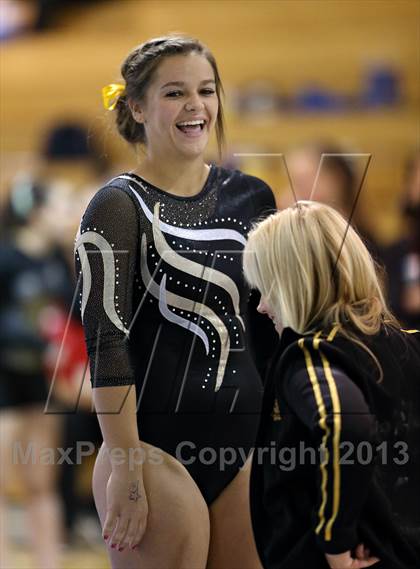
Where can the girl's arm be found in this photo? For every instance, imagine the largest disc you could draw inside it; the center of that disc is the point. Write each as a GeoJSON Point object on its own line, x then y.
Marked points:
{"type": "Point", "coordinates": [106, 250]}
{"type": "Point", "coordinates": [126, 500]}
{"type": "Point", "coordinates": [335, 411]}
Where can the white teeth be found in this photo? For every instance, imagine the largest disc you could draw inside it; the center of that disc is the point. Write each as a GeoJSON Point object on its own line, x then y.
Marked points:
{"type": "Point", "coordinates": [190, 123]}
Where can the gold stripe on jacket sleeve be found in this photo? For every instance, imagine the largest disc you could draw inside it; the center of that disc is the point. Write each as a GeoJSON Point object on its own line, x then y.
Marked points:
{"type": "Point", "coordinates": [323, 425]}
{"type": "Point", "coordinates": [336, 443]}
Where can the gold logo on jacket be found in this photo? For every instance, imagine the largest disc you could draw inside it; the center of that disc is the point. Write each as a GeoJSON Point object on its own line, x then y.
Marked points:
{"type": "Point", "coordinates": [276, 411]}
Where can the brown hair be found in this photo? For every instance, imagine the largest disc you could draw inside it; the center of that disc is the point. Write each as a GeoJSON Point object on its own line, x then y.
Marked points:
{"type": "Point", "coordinates": [138, 70]}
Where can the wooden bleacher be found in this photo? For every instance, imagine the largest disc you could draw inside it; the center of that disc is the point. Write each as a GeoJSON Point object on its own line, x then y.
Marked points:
{"type": "Point", "coordinates": [289, 43]}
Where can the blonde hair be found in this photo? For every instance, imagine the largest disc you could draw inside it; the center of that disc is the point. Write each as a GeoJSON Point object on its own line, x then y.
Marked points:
{"type": "Point", "coordinates": [314, 271]}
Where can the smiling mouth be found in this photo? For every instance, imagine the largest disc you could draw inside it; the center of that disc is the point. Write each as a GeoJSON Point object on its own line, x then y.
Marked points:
{"type": "Point", "coordinates": [188, 127]}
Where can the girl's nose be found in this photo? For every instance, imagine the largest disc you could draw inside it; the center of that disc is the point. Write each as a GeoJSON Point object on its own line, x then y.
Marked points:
{"type": "Point", "coordinates": [193, 103]}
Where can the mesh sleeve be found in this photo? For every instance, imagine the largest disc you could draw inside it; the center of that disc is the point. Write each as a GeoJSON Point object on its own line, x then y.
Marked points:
{"type": "Point", "coordinates": [105, 256]}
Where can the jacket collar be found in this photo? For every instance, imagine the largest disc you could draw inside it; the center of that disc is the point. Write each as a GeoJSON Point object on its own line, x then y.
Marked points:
{"type": "Point", "coordinates": [288, 336]}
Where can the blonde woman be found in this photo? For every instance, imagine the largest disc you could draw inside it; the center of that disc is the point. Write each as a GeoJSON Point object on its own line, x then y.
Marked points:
{"type": "Point", "coordinates": [335, 472]}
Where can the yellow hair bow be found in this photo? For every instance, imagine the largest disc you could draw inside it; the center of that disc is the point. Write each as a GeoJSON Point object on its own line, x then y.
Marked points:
{"type": "Point", "coordinates": [111, 94]}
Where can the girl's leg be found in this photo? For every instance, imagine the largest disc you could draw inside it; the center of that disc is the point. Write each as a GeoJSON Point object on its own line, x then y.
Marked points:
{"type": "Point", "coordinates": [9, 429]}
{"type": "Point", "coordinates": [232, 543]}
{"type": "Point", "coordinates": [43, 503]}
{"type": "Point", "coordinates": [177, 533]}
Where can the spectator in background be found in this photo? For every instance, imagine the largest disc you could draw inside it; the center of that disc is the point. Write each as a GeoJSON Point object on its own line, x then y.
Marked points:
{"type": "Point", "coordinates": [402, 259]}
{"type": "Point", "coordinates": [74, 168]}
{"type": "Point", "coordinates": [35, 283]}
{"type": "Point", "coordinates": [36, 297]}
{"type": "Point", "coordinates": [335, 181]}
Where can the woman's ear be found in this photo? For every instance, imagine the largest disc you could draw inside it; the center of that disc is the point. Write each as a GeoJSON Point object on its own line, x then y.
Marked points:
{"type": "Point", "coordinates": [136, 111]}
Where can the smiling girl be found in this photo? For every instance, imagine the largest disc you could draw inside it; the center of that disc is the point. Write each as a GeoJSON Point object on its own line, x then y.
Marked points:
{"type": "Point", "coordinates": [165, 312]}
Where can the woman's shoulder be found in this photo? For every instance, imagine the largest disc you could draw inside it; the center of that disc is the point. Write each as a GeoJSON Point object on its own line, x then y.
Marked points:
{"type": "Point", "coordinates": [350, 344]}
{"type": "Point", "coordinates": [113, 200]}
{"type": "Point", "coordinates": [397, 351]}
{"type": "Point", "coordinates": [114, 192]}
{"type": "Point", "coordinates": [248, 185]}
{"type": "Point", "coordinates": [236, 176]}
{"type": "Point", "coordinates": [403, 342]}
{"type": "Point", "coordinates": [309, 350]}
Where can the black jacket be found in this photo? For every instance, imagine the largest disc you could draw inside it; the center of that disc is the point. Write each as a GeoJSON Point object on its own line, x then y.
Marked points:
{"type": "Point", "coordinates": [341, 463]}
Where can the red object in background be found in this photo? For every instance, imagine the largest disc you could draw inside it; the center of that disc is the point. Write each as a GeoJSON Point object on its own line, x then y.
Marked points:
{"type": "Point", "coordinates": [66, 350]}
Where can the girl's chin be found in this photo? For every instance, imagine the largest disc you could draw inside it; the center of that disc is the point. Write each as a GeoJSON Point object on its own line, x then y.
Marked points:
{"type": "Point", "coordinates": [278, 327]}
{"type": "Point", "coordinates": [192, 143]}
{"type": "Point", "coordinates": [191, 150]}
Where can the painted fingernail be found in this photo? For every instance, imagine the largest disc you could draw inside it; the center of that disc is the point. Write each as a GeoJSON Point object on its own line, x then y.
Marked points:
{"type": "Point", "coordinates": [106, 536]}
{"type": "Point", "coordinates": [121, 549]}
{"type": "Point", "coordinates": [113, 546]}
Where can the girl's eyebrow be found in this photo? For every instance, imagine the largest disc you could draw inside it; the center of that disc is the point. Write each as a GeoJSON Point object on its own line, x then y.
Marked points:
{"type": "Point", "coordinates": [182, 84]}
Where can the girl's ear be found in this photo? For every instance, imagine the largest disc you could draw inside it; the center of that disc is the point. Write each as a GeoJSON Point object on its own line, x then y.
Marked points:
{"type": "Point", "coordinates": [136, 111]}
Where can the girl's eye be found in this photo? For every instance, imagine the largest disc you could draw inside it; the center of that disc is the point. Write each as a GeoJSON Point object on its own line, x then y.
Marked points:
{"type": "Point", "coordinates": [174, 94]}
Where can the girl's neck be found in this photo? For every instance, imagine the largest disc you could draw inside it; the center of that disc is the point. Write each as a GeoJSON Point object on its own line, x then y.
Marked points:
{"type": "Point", "coordinates": [185, 178]}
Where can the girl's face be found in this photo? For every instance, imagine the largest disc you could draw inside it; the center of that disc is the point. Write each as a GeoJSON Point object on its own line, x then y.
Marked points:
{"type": "Point", "coordinates": [180, 107]}
{"type": "Point", "coordinates": [264, 308]}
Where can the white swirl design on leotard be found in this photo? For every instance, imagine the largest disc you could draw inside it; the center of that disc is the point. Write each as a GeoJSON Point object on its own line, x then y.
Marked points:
{"type": "Point", "coordinates": [189, 306]}
{"type": "Point", "coordinates": [193, 268]}
{"type": "Point", "coordinates": [172, 317]}
{"type": "Point", "coordinates": [192, 234]}
{"type": "Point", "coordinates": [108, 259]}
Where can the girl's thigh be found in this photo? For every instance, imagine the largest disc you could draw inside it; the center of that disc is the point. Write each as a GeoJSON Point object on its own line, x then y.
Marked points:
{"type": "Point", "coordinates": [178, 528]}
{"type": "Point", "coordinates": [232, 543]}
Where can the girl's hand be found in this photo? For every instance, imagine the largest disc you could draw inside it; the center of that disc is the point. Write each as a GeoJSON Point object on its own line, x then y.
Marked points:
{"type": "Point", "coordinates": [127, 509]}
{"type": "Point", "coordinates": [346, 561]}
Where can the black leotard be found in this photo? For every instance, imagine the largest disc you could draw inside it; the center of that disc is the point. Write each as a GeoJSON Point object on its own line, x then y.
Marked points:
{"type": "Point", "coordinates": [165, 306]}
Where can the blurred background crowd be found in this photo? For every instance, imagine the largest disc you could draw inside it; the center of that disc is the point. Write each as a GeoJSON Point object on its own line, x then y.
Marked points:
{"type": "Point", "coordinates": [322, 100]}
